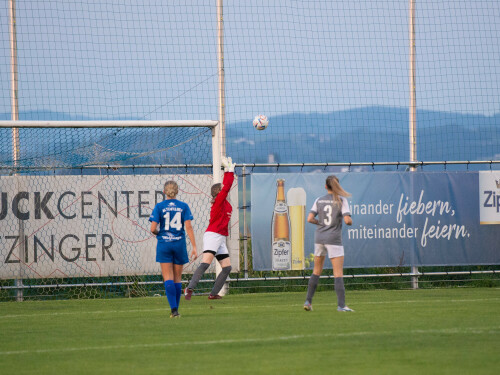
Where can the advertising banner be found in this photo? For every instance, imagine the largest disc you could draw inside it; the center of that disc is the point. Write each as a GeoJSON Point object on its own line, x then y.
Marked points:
{"type": "Point", "coordinates": [399, 219]}
{"type": "Point", "coordinates": [84, 226]}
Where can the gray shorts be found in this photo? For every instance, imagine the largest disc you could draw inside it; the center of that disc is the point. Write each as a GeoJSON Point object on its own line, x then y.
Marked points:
{"type": "Point", "coordinates": [333, 251]}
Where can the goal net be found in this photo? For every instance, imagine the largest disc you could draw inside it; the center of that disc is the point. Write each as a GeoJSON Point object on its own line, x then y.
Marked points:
{"type": "Point", "coordinates": [75, 202]}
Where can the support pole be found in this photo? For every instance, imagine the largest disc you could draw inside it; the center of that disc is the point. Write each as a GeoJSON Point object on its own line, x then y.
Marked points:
{"type": "Point", "coordinates": [413, 111]}
{"type": "Point", "coordinates": [413, 101]}
{"type": "Point", "coordinates": [245, 232]}
{"type": "Point", "coordinates": [13, 74]}
{"type": "Point", "coordinates": [15, 131]}
{"type": "Point", "coordinates": [220, 69]}
{"type": "Point", "coordinates": [222, 103]}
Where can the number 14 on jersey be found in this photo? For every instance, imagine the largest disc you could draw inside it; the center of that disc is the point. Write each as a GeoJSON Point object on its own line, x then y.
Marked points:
{"type": "Point", "coordinates": [175, 222]}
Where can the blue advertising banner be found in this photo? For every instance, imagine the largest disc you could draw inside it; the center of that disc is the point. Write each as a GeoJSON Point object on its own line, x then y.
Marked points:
{"type": "Point", "coordinates": [399, 219]}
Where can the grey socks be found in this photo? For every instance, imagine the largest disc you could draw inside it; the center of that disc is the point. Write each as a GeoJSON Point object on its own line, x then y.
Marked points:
{"type": "Point", "coordinates": [311, 287]}
{"type": "Point", "coordinates": [340, 290]}
{"type": "Point", "coordinates": [220, 280]}
{"type": "Point", "coordinates": [197, 275]}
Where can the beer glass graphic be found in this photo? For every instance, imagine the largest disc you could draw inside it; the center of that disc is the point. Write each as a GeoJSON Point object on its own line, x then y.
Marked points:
{"type": "Point", "coordinates": [296, 199]}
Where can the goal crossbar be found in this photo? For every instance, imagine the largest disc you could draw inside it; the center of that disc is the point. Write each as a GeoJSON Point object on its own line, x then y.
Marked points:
{"type": "Point", "coordinates": [109, 124]}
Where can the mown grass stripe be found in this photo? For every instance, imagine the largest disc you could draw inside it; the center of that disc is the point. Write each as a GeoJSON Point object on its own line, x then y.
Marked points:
{"type": "Point", "coordinates": [239, 307]}
{"type": "Point", "coordinates": [448, 331]}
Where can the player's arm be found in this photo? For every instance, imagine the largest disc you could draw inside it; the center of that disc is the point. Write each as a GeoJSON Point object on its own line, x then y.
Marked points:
{"type": "Point", "coordinates": [311, 218]}
{"type": "Point", "coordinates": [227, 183]}
{"type": "Point", "coordinates": [348, 219]}
{"type": "Point", "coordinates": [346, 212]}
{"type": "Point", "coordinates": [154, 228]}
{"type": "Point", "coordinates": [155, 219]}
{"type": "Point", "coordinates": [190, 233]}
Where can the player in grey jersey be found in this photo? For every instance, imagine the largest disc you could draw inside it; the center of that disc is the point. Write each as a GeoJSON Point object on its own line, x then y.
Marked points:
{"type": "Point", "coordinates": [330, 210]}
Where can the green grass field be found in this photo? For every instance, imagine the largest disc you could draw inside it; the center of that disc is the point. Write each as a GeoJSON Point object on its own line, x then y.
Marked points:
{"type": "Point", "coordinates": [438, 331]}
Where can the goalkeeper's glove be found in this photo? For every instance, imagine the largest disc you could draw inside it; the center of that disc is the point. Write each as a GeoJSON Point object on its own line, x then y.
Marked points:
{"type": "Point", "coordinates": [224, 162]}
{"type": "Point", "coordinates": [230, 165]}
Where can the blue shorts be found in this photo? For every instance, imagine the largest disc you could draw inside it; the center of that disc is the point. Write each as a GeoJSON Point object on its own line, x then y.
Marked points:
{"type": "Point", "coordinates": [172, 252]}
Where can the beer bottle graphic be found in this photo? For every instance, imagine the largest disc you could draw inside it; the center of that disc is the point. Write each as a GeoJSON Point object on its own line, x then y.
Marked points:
{"type": "Point", "coordinates": [281, 249]}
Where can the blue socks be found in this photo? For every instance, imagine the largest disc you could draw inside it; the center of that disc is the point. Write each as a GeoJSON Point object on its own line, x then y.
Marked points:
{"type": "Point", "coordinates": [178, 292]}
{"type": "Point", "coordinates": [171, 292]}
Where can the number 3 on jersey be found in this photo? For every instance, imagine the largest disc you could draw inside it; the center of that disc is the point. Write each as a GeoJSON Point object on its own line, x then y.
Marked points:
{"type": "Point", "coordinates": [328, 218]}
{"type": "Point", "coordinates": [175, 223]}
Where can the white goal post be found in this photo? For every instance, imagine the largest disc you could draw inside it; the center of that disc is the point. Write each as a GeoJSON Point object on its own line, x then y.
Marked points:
{"type": "Point", "coordinates": [63, 226]}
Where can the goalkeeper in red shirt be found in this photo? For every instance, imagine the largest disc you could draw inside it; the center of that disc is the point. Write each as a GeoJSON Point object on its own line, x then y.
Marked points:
{"type": "Point", "coordinates": [214, 239]}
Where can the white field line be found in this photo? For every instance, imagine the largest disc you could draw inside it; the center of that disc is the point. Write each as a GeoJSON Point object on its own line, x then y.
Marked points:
{"type": "Point", "coordinates": [447, 331]}
{"type": "Point", "coordinates": [224, 307]}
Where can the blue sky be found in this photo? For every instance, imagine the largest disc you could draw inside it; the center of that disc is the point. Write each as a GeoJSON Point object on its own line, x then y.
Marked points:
{"type": "Point", "coordinates": [144, 59]}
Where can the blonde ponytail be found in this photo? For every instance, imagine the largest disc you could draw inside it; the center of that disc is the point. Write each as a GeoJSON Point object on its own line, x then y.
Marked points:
{"type": "Point", "coordinates": [332, 184]}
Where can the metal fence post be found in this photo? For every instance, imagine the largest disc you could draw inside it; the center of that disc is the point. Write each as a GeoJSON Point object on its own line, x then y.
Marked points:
{"type": "Point", "coordinates": [413, 111]}
{"type": "Point", "coordinates": [245, 234]}
{"type": "Point", "coordinates": [15, 132]}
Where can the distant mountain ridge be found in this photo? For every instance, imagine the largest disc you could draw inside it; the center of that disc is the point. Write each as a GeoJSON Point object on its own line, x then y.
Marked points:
{"type": "Point", "coordinates": [366, 134]}
{"type": "Point", "coordinates": [369, 134]}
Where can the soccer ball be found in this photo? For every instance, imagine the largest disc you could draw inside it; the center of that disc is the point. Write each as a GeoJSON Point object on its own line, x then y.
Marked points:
{"type": "Point", "coordinates": [260, 122]}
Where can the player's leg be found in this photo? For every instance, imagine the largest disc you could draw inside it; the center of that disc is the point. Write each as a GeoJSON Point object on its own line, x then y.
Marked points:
{"type": "Point", "coordinates": [165, 256]}
{"type": "Point", "coordinates": [167, 271]}
{"type": "Point", "coordinates": [211, 242]}
{"type": "Point", "coordinates": [208, 256]}
{"type": "Point", "coordinates": [180, 258]}
{"type": "Point", "coordinates": [225, 264]}
{"type": "Point", "coordinates": [338, 266]}
{"type": "Point", "coordinates": [319, 261]}
{"type": "Point", "coordinates": [338, 274]}
{"type": "Point", "coordinates": [178, 282]}
{"type": "Point", "coordinates": [222, 256]}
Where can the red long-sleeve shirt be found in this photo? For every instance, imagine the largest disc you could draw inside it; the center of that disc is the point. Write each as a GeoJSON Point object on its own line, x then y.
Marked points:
{"type": "Point", "coordinates": [220, 213]}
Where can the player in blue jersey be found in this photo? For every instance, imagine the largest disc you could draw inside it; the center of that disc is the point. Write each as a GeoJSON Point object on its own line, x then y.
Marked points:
{"type": "Point", "coordinates": [170, 221]}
